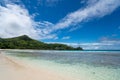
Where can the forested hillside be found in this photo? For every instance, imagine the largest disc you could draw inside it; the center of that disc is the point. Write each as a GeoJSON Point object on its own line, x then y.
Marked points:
{"type": "Point", "coordinates": [25, 42]}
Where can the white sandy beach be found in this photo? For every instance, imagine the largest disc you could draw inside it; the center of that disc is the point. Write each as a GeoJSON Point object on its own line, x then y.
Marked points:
{"type": "Point", "coordinates": [12, 69]}
{"type": "Point", "coordinates": [25, 68]}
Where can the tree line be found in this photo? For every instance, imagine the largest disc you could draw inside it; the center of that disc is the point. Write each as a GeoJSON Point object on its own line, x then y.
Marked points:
{"type": "Point", "coordinates": [25, 42]}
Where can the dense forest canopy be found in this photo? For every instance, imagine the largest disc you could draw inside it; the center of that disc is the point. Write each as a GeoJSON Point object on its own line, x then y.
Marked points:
{"type": "Point", "coordinates": [24, 42]}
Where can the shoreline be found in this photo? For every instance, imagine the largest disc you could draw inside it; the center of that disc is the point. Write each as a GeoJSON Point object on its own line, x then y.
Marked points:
{"type": "Point", "coordinates": [13, 69]}
{"type": "Point", "coordinates": [32, 68]}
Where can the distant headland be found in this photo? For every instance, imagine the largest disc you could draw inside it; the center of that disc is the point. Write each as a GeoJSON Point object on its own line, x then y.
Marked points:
{"type": "Point", "coordinates": [25, 42]}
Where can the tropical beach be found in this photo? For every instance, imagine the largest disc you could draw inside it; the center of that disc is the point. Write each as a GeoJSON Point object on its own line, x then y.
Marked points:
{"type": "Point", "coordinates": [59, 65]}
{"type": "Point", "coordinates": [13, 69]}
{"type": "Point", "coordinates": [59, 39]}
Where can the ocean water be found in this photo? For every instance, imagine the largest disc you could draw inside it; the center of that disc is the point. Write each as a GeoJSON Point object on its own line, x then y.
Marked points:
{"type": "Point", "coordinates": [80, 65]}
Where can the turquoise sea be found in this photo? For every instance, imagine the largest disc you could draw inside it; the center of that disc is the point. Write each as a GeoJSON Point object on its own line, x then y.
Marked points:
{"type": "Point", "coordinates": [80, 65]}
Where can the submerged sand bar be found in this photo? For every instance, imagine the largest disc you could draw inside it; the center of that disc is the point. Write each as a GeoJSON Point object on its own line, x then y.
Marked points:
{"type": "Point", "coordinates": [11, 69]}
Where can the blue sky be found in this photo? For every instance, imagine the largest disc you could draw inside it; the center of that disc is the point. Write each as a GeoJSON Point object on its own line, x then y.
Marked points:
{"type": "Point", "coordinates": [91, 24]}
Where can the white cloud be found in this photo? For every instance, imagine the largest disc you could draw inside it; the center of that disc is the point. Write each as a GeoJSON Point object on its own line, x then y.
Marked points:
{"type": "Point", "coordinates": [15, 21]}
{"type": "Point", "coordinates": [101, 45]}
{"type": "Point", "coordinates": [98, 8]}
{"type": "Point", "coordinates": [94, 9]}
{"type": "Point", "coordinates": [66, 37]}
{"type": "Point", "coordinates": [74, 28]}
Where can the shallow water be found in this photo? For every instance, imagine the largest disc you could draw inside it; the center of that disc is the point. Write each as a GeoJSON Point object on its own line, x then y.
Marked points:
{"type": "Point", "coordinates": [80, 65]}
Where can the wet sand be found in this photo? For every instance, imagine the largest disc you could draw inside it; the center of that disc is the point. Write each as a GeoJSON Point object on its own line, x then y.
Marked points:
{"type": "Point", "coordinates": [12, 69]}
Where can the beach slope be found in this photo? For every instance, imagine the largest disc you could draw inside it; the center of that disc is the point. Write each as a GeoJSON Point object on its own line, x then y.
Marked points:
{"type": "Point", "coordinates": [11, 69]}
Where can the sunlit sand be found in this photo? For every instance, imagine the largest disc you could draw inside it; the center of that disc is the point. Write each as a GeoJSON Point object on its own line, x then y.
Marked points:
{"type": "Point", "coordinates": [11, 69]}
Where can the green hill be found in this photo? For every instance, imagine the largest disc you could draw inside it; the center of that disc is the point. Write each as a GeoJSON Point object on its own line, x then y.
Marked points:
{"type": "Point", "coordinates": [24, 42]}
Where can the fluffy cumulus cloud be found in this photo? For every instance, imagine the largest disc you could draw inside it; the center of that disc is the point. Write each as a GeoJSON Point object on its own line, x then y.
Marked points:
{"type": "Point", "coordinates": [15, 20]}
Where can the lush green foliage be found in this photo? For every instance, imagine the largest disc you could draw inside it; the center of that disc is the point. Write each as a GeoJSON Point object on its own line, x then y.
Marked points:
{"type": "Point", "coordinates": [24, 42]}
